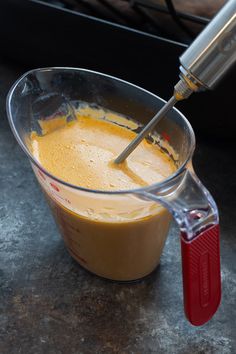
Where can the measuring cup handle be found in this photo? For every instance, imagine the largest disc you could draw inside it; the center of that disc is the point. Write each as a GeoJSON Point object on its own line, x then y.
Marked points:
{"type": "Point", "coordinates": [196, 213]}
{"type": "Point", "coordinates": [201, 275]}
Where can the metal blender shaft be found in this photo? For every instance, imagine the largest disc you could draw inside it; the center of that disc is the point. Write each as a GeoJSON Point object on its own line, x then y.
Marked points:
{"type": "Point", "coordinates": [181, 92]}
{"type": "Point", "coordinates": [134, 143]}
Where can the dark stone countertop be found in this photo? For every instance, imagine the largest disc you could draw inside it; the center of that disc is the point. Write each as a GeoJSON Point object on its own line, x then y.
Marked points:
{"type": "Point", "coordinates": [49, 304]}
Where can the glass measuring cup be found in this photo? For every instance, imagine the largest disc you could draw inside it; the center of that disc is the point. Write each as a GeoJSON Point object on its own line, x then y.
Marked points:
{"type": "Point", "coordinates": [120, 234]}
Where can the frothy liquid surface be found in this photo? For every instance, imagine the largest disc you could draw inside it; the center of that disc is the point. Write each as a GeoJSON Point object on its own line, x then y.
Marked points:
{"type": "Point", "coordinates": [81, 152]}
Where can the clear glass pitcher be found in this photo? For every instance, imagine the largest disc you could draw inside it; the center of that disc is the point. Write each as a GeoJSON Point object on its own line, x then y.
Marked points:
{"type": "Point", "coordinates": [120, 234]}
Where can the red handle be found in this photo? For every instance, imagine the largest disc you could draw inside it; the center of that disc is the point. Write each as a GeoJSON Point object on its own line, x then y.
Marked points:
{"type": "Point", "coordinates": [201, 275]}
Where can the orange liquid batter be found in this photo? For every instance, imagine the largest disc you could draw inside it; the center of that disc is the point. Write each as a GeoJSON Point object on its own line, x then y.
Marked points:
{"type": "Point", "coordinates": [113, 244]}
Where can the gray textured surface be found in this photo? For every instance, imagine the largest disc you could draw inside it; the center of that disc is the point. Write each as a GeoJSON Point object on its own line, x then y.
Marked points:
{"type": "Point", "coordinates": [49, 304]}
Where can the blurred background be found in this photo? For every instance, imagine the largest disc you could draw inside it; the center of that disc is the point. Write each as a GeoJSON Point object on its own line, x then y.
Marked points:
{"type": "Point", "coordinates": [137, 40]}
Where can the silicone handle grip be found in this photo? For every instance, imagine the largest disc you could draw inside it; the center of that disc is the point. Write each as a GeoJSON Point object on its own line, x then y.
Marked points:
{"type": "Point", "coordinates": [201, 275]}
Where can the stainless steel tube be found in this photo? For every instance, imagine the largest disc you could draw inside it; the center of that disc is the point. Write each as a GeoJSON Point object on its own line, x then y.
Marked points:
{"type": "Point", "coordinates": [213, 51]}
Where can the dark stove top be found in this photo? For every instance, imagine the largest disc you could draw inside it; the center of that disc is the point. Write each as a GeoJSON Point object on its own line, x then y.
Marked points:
{"type": "Point", "coordinates": [36, 34]}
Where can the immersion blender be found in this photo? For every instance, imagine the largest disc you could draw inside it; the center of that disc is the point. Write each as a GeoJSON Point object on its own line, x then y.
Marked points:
{"type": "Point", "coordinates": [203, 64]}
